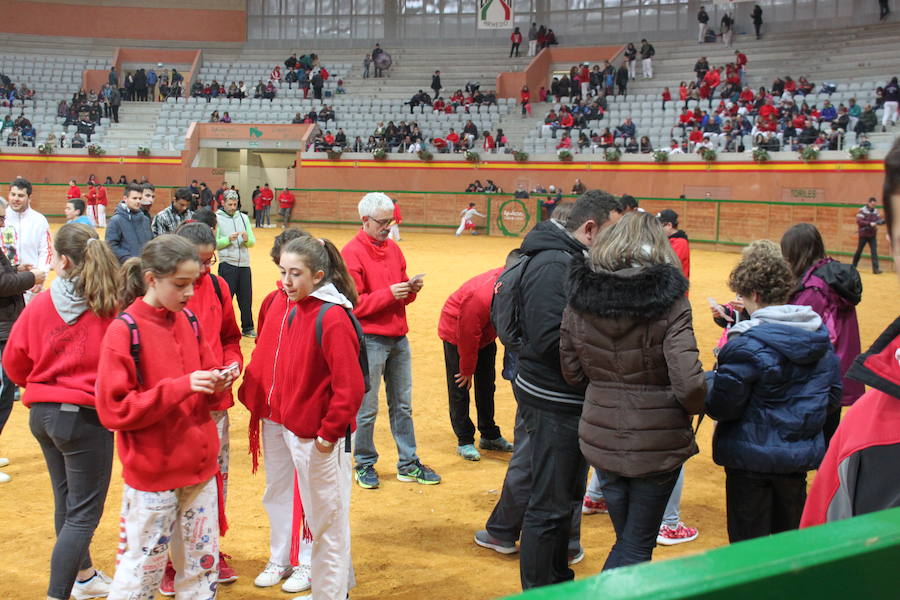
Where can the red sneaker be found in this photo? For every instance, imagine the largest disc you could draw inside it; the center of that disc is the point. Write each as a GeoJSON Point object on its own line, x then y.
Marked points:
{"type": "Point", "coordinates": [226, 572]}
{"type": "Point", "coordinates": [589, 507]}
{"type": "Point", "coordinates": [669, 536]}
{"type": "Point", "coordinates": [167, 587]}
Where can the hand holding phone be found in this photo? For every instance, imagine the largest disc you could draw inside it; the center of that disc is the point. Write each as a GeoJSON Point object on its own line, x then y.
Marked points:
{"type": "Point", "coordinates": [417, 282]}
{"type": "Point", "coordinates": [718, 310]}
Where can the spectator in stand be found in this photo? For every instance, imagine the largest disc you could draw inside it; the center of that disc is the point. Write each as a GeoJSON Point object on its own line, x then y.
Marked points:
{"type": "Point", "coordinates": [532, 40]}
{"type": "Point", "coordinates": [647, 53]}
{"type": "Point", "coordinates": [525, 101]}
{"type": "Point", "coordinates": [226, 118]}
{"type": "Point", "coordinates": [703, 21]}
{"type": "Point", "coordinates": [631, 59]}
{"type": "Point", "coordinates": [516, 40]}
{"type": "Point", "coordinates": [666, 97]}
{"type": "Point", "coordinates": [727, 29]}
{"type": "Point", "coordinates": [367, 62]}
{"type": "Point", "coordinates": [489, 145]}
{"type": "Point", "coordinates": [621, 80]}
{"type": "Point", "coordinates": [627, 129]}
{"type": "Point", "coordinates": [168, 219]}
{"type": "Point", "coordinates": [565, 143]}
{"type": "Point", "coordinates": [891, 104]}
{"type": "Point", "coordinates": [214, 117]}
{"type": "Point", "coordinates": [550, 40]}
{"type": "Point", "coordinates": [867, 122]}
{"type": "Point", "coordinates": [376, 53]}
{"type": "Point", "coordinates": [756, 16]}
{"type": "Point", "coordinates": [436, 84]}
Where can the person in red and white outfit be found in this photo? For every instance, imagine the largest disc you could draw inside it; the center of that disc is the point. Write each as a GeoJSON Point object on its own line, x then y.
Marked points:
{"type": "Point", "coordinates": [96, 203]}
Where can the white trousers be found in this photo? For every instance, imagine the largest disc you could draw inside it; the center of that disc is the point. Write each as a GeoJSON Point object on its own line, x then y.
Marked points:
{"type": "Point", "coordinates": [97, 214]}
{"type": "Point", "coordinates": [702, 35]}
{"type": "Point", "coordinates": [532, 47]}
{"type": "Point", "coordinates": [647, 67]}
{"type": "Point", "coordinates": [183, 520]}
{"type": "Point", "coordinates": [395, 232]}
{"type": "Point", "coordinates": [325, 481]}
{"type": "Point", "coordinates": [278, 499]}
{"type": "Point", "coordinates": [890, 113]}
{"type": "Point", "coordinates": [462, 226]}
{"type": "Point", "coordinates": [631, 67]}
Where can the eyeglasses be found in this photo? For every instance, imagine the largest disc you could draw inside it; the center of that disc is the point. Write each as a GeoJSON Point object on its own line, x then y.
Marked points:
{"type": "Point", "coordinates": [383, 222]}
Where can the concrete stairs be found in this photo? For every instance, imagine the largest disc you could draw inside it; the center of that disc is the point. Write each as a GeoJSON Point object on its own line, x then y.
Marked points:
{"type": "Point", "coordinates": [137, 122]}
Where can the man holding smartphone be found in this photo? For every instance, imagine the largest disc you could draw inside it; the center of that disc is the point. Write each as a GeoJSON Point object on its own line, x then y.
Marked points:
{"type": "Point", "coordinates": [379, 271]}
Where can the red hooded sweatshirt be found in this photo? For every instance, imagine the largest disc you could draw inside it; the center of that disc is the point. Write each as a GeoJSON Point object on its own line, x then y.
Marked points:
{"type": "Point", "coordinates": [54, 361]}
{"type": "Point", "coordinates": [375, 267]}
{"type": "Point", "coordinates": [466, 319]}
{"type": "Point", "coordinates": [286, 199]}
{"type": "Point", "coordinates": [217, 317]}
{"type": "Point", "coordinates": [266, 196]}
{"type": "Point", "coordinates": [74, 192]}
{"type": "Point", "coordinates": [324, 385]}
{"type": "Point", "coordinates": [166, 437]}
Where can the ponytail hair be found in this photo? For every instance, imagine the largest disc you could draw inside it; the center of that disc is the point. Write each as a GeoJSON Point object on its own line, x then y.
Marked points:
{"type": "Point", "coordinates": [94, 268]}
{"type": "Point", "coordinates": [322, 255]}
{"type": "Point", "coordinates": [161, 256]}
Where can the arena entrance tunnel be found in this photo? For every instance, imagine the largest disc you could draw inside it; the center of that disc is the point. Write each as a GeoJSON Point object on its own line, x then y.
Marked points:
{"type": "Point", "coordinates": [853, 558]}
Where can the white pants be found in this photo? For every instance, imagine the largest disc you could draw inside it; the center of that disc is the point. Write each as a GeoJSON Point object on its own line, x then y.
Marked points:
{"type": "Point", "coordinates": [585, 85]}
{"type": "Point", "coordinates": [532, 47]}
{"type": "Point", "coordinates": [890, 113]}
{"type": "Point", "coordinates": [97, 214]}
{"type": "Point", "coordinates": [462, 226]}
{"type": "Point", "coordinates": [631, 67]}
{"type": "Point", "coordinates": [183, 520]}
{"type": "Point", "coordinates": [395, 232]}
{"type": "Point", "coordinates": [702, 36]}
{"type": "Point", "coordinates": [647, 67]}
{"type": "Point", "coordinates": [727, 36]}
{"type": "Point", "coordinates": [220, 417]}
{"type": "Point", "coordinates": [278, 499]}
{"type": "Point", "coordinates": [325, 481]}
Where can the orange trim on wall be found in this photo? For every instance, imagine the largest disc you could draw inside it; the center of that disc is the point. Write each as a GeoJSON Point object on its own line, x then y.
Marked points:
{"type": "Point", "coordinates": [118, 22]}
{"type": "Point", "coordinates": [509, 83]}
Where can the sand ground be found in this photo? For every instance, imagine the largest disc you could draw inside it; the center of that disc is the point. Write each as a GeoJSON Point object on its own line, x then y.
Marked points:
{"type": "Point", "coordinates": [409, 541]}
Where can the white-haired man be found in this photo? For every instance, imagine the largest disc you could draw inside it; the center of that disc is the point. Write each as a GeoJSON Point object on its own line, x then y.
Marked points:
{"type": "Point", "coordinates": [379, 270]}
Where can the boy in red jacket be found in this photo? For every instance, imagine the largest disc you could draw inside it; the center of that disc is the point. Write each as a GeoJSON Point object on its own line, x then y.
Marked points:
{"type": "Point", "coordinates": [379, 271]}
{"type": "Point", "coordinates": [470, 352]}
{"type": "Point", "coordinates": [286, 202]}
{"type": "Point", "coordinates": [677, 238]}
{"type": "Point", "coordinates": [74, 191]}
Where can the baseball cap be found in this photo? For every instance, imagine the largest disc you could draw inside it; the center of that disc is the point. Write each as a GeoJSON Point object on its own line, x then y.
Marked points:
{"type": "Point", "coordinates": [668, 216]}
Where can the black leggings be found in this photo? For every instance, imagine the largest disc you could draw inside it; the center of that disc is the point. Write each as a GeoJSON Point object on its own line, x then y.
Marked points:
{"type": "Point", "coordinates": [240, 282]}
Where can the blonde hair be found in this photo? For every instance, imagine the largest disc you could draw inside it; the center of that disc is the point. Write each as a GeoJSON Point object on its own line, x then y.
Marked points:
{"type": "Point", "coordinates": [95, 269]}
{"type": "Point", "coordinates": [762, 248]}
{"type": "Point", "coordinates": [161, 256]}
{"type": "Point", "coordinates": [636, 240]}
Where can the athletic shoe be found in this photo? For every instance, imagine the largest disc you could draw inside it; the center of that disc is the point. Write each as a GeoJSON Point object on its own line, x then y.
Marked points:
{"type": "Point", "coordinates": [366, 477]}
{"type": "Point", "coordinates": [272, 574]}
{"type": "Point", "coordinates": [4, 462]}
{"type": "Point", "coordinates": [167, 586]}
{"type": "Point", "coordinates": [249, 333]}
{"type": "Point", "coordinates": [468, 452]}
{"type": "Point", "coordinates": [669, 536]}
{"type": "Point", "coordinates": [4, 478]}
{"type": "Point", "coordinates": [95, 587]}
{"type": "Point", "coordinates": [589, 507]}
{"type": "Point", "coordinates": [227, 574]}
{"type": "Point", "coordinates": [420, 474]}
{"type": "Point", "coordinates": [575, 556]}
{"type": "Point", "coordinates": [500, 444]}
{"type": "Point", "coordinates": [299, 581]}
{"type": "Point", "coordinates": [486, 540]}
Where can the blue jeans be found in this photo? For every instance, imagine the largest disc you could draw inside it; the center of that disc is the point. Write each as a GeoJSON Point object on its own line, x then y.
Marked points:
{"type": "Point", "coordinates": [673, 507]}
{"type": "Point", "coordinates": [390, 358]}
{"type": "Point", "coordinates": [636, 506]}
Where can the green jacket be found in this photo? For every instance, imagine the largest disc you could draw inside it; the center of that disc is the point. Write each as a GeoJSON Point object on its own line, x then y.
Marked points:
{"type": "Point", "coordinates": [235, 252]}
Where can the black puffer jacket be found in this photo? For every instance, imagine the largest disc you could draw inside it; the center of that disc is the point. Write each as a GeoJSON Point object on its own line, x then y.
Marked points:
{"type": "Point", "coordinates": [12, 285]}
{"type": "Point", "coordinates": [628, 335]}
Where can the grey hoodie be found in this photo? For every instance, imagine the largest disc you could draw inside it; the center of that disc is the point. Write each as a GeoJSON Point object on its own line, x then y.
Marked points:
{"type": "Point", "coordinates": [235, 253]}
{"type": "Point", "coordinates": [67, 303]}
{"type": "Point", "coordinates": [803, 317]}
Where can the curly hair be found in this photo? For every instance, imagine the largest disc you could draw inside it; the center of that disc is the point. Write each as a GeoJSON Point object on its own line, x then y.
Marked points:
{"type": "Point", "coordinates": [764, 274]}
{"type": "Point", "coordinates": [767, 247]}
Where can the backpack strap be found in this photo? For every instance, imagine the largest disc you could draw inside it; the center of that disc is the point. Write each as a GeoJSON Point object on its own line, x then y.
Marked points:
{"type": "Point", "coordinates": [134, 343]}
{"type": "Point", "coordinates": [216, 286]}
{"type": "Point", "coordinates": [192, 319]}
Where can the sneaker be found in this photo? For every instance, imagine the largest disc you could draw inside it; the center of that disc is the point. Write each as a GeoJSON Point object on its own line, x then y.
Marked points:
{"type": "Point", "coordinates": [366, 477]}
{"type": "Point", "coordinates": [227, 573]}
{"type": "Point", "coordinates": [669, 536]}
{"type": "Point", "coordinates": [486, 540]}
{"type": "Point", "coordinates": [249, 334]}
{"type": "Point", "coordinates": [272, 574]}
{"type": "Point", "coordinates": [500, 444]}
{"type": "Point", "coordinates": [4, 478]}
{"type": "Point", "coordinates": [420, 474]}
{"type": "Point", "coordinates": [590, 507]}
{"type": "Point", "coordinates": [468, 452]}
{"type": "Point", "coordinates": [575, 556]}
{"type": "Point", "coordinates": [299, 581]}
{"type": "Point", "coordinates": [4, 462]}
{"type": "Point", "coordinates": [95, 587]}
{"type": "Point", "coordinates": [167, 586]}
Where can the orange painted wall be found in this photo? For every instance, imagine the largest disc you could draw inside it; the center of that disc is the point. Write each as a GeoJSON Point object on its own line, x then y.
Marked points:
{"type": "Point", "coordinates": [509, 84]}
{"type": "Point", "coordinates": [58, 19]}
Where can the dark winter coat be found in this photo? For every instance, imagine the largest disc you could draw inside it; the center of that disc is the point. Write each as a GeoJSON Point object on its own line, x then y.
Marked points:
{"type": "Point", "coordinates": [628, 336]}
{"type": "Point", "coordinates": [13, 285]}
{"type": "Point", "coordinates": [127, 232]}
{"type": "Point", "coordinates": [778, 377]}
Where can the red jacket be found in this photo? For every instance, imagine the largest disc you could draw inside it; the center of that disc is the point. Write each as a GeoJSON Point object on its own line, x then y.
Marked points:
{"type": "Point", "coordinates": [166, 437]}
{"type": "Point", "coordinates": [97, 195]}
{"type": "Point", "coordinates": [516, 38]}
{"type": "Point", "coordinates": [54, 361]}
{"type": "Point", "coordinates": [217, 316]}
{"type": "Point", "coordinates": [466, 319]}
{"type": "Point", "coordinates": [286, 199]}
{"type": "Point", "coordinates": [74, 192]}
{"type": "Point", "coordinates": [376, 267]}
{"type": "Point", "coordinates": [859, 472]}
{"type": "Point", "coordinates": [265, 196]}
{"type": "Point", "coordinates": [682, 248]}
{"type": "Point", "coordinates": [324, 384]}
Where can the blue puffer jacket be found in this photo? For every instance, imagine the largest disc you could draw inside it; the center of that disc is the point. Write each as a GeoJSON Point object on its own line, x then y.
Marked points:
{"type": "Point", "coordinates": [778, 377]}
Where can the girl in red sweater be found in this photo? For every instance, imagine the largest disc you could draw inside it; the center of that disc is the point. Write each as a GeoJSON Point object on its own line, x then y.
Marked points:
{"type": "Point", "coordinates": [161, 380]}
{"type": "Point", "coordinates": [53, 351]}
{"type": "Point", "coordinates": [323, 387]}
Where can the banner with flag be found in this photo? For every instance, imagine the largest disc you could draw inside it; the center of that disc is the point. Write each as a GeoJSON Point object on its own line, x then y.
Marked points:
{"type": "Point", "coordinates": [495, 14]}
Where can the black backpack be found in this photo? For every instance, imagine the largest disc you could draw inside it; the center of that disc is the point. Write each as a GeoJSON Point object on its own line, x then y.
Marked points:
{"type": "Point", "coordinates": [135, 347]}
{"type": "Point", "coordinates": [506, 302]}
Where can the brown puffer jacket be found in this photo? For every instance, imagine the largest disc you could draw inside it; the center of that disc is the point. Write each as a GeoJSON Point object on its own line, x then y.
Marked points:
{"type": "Point", "coordinates": [629, 335]}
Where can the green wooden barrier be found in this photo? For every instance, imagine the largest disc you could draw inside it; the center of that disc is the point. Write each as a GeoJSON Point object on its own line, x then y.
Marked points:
{"type": "Point", "coordinates": [848, 560]}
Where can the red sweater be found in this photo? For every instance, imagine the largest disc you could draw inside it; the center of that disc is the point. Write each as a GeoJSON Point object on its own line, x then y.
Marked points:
{"type": "Point", "coordinates": [266, 196]}
{"type": "Point", "coordinates": [54, 361]}
{"type": "Point", "coordinates": [376, 267]}
{"type": "Point", "coordinates": [324, 385]}
{"type": "Point", "coordinates": [466, 319]}
{"type": "Point", "coordinates": [286, 199]}
{"type": "Point", "coordinates": [166, 437]}
{"type": "Point", "coordinates": [256, 391]}
{"type": "Point", "coordinates": [218, 316]}
{"type": "Point", "coordinates": [74, 192]}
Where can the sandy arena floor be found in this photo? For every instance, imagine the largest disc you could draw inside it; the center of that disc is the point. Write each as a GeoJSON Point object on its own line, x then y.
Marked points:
{"type": "Point", "coordinates": [409, 541]}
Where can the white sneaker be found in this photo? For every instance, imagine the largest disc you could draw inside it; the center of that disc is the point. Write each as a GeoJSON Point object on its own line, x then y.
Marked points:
{"type": "Point", "coordinates": [4, 462]}
{"type": "Point", "coordinates": [299, 581]}
{"type": "Point", "coordinates": [95, 587]}
{"type": "Point", "coordinates": [272, 574]}
{"type": "Point", "coordinates": [4, 478]}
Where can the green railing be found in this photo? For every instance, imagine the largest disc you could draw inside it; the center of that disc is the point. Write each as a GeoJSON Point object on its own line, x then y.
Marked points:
{"type": "Point", "coordinates": [851, 559]}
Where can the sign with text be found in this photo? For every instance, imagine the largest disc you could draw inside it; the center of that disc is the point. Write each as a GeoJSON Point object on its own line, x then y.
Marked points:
{"type": "Point", "coordinates": [495, 14]}
{"type": "Point", "coordinates": [513, 217]}
{"type": "Point", "coordinates": [803, 195]}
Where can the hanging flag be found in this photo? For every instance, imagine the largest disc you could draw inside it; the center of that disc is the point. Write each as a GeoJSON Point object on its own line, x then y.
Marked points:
{"type": "Point", "coordinates": [495, 14]}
